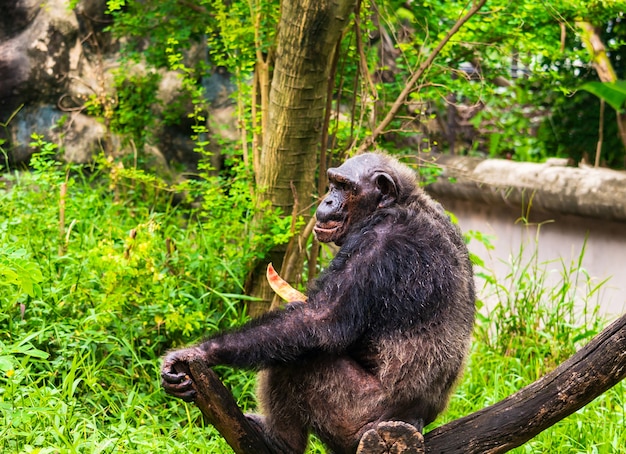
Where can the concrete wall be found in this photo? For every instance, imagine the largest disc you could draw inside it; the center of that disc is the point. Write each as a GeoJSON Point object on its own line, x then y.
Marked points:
{"type": "Point", "coordinates": [557, 236]}
{"type": "Point", "coordinates": [558, 241]}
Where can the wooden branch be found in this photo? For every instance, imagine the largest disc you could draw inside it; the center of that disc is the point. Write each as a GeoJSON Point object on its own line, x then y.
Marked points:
{"type": "Point", "coordinates": [62, 197]}
{"type": "Point", "coordinates": [595, 368]}
{"type": "Point", "coordinates": [219, 407]}
{"type": "Point", "coordinates": [599, 58]}
{"type": "Point", "coordinates": [600, 134]}
{"type": "Point", "coordinates": [362, 57]}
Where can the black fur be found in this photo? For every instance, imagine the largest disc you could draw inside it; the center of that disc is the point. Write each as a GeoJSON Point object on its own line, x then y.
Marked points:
{"type": "Point", "coordinates": [385, 330]}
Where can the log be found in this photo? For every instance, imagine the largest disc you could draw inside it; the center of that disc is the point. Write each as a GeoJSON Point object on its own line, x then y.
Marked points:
{"type": "Point", "coordinates": [598, 366]}
{"type": "Point", "coordinates": [219, 408]}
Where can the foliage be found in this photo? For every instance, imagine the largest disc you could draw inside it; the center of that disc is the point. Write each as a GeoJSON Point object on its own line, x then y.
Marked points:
{"type": "Point", "coordinates": [614, 93]}
{"type": "Point", "coordinates": [489, 92]}
{"type": "Point", "coordinates": [131, 112]}
{"type": "Point", "coordinates": [82, 326]}
{"type": "Point", "coordinates": [172, 34]}
{"type": "Point", "coordinates": [490, 89]}
{"type": "Point", "coordinates": [573, 130]}
{"type": "Point", "coordinates": [43, 160]}
{"type": "Point", "coordinates": [16, 270]}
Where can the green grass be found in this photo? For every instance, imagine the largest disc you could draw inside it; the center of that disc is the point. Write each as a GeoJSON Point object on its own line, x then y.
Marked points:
{"type": "Point", "coordinates": [87, 313]}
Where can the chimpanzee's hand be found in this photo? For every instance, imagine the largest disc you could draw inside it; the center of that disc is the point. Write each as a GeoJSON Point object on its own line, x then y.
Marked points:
{"type": "Point", "coordinates": [175, 375]}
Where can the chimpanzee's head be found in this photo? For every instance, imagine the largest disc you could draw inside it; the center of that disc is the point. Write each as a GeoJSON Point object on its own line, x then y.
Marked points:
{"type": "Point", "coordinates": [357, 188]}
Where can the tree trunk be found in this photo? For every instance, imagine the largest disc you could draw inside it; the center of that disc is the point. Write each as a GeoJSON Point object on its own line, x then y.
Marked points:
{"type": "Point", "coordinates": [306, 40]}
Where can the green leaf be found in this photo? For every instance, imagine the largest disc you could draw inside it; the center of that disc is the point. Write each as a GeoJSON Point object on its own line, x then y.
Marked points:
{"type": "Point", "coordinates": [8, 275]}
{"type": "Point", "coordinates": [29, 350]}
{"type": "Point", "coordinates": [6, 363]}
{"type": "Point", "coordinates": [613, 93]}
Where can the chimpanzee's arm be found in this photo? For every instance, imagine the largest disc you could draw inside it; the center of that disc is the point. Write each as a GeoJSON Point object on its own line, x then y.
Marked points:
{"type": "Point", "coordinates": [364, 288]}
{"type": "Point", "coordinates": [283, 336]}
{"type": "Point", "coordinates": [353, 296]}
{"type": "Point", "coordinates": [278, 337]}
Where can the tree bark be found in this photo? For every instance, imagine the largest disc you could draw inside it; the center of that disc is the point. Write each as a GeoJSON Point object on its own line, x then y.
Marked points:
{"type": "Point", "coordinates": [219, 408]}
{"type": "Point", "coordinates": [307, 36]}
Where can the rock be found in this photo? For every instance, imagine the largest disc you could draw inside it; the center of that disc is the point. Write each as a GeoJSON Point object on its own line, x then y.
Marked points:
{"type": "Point", "coordinates": [55, 59]}
{"type": "Point", "coordinates": [36, 61]}
{"type": "Point", "coordinates": [16, 15]}
{"type": "Point", "coordinates": [78, 136]}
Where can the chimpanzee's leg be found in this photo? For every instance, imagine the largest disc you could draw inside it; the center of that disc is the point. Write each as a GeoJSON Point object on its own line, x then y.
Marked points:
{"type": "Point", "coordinates": [343, 401]}
{"type": "Point", "coordinates": [335, 397]}
{"type": "Point", "coordinates": [278, 438]}
{"type": "Point", "coordinates": [283, 424]}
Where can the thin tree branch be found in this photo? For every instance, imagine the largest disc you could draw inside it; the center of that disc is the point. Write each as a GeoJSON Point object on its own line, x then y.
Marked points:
{"type": "Point", "coordinates": [361, 51]}
{"type": "Point", "coordinates": [369, 141]}
{"type": "Point", "coordinates": [600, 134]}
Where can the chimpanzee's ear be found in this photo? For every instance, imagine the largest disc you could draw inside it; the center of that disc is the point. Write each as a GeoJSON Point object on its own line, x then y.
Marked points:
{"type": "Point", "coordinates": [387, 188]}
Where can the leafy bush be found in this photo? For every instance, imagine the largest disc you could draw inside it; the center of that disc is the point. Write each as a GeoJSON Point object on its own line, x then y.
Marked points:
{"type": "Point", "coordinates": [89, 305]}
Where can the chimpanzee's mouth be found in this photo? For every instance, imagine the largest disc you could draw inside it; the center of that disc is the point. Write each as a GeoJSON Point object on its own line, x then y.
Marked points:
{"type": "Point", "coordinates": [326, 228]}
{"type": "Point", "coordinates": [328, 231]}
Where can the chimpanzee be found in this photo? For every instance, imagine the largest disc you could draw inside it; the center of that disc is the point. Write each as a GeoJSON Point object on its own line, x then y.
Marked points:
{"type": "Point", "coordinates": [386, 327]}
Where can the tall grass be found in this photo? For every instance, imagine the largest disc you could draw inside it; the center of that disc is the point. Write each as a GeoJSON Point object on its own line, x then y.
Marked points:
{"type": "Point", "coordinates": [85, 316]}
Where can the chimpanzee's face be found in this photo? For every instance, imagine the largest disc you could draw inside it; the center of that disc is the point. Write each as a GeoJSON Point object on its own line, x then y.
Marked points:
{"type": "Point", "coordinates": [356, 189]}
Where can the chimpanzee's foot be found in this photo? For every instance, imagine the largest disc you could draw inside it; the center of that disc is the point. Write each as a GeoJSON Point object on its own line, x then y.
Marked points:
{"type": "Point", "coordinates": [392, 437]}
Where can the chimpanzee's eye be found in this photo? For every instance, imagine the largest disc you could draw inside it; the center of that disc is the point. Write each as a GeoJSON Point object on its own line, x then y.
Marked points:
{"type": "Point", "coordinates": [340, 186]}
{"type": "Point", "coordinates": [344, 185]}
